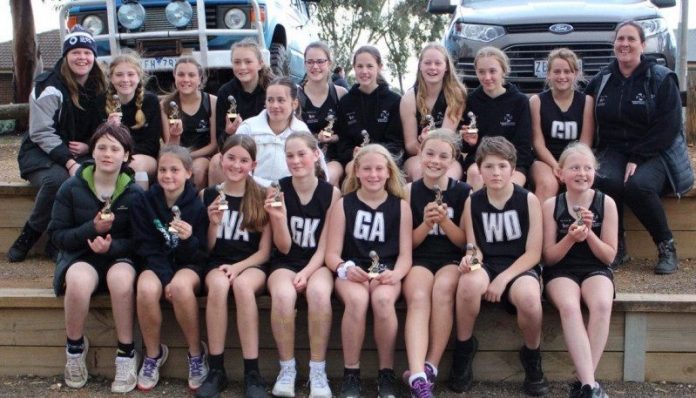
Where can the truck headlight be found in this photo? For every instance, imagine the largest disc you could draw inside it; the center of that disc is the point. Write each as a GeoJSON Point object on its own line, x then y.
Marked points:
{"type": "Point", "coordinates": [131, 15]}
{"type": "Point", "coordinates": [235, 18]}
{"type": "Point", "coordinates": [93, 24]}
{"type": "Point", "coordinates": [484, 33]}
{"type": "Point", "coordinates": [179, 13]}
{"type": "Point", "coordinates": [651, 27]}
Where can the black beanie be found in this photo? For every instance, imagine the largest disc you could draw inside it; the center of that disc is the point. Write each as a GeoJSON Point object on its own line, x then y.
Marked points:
{"type": "Point", "coordinates": [79, 37]}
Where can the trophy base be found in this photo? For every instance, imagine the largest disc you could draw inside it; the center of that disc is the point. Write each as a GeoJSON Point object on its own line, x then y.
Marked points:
{"type": "Point", "coordinates": [474, 267]}
{"type": "Point", "coordinates": [276, 204]}
{"type": "Point", "coordinates": [172, 230]}
{"type": "Point", "coordinates": [223, 207]}
{"type": "Point", "coordinates": [372, 275]}
{"type": "Point", "coordinates": [107, 216]}
{"type": "Point", "coordinates": [172, 121]}
{"type": "Point", "coordinates": [325, 134]}
{"type": "Point", "coordinates": [472, 131]}
{"type": "Point", "coordinates": [232, 117]}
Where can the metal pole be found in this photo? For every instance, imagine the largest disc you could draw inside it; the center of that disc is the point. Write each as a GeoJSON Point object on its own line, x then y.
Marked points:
{"type": "Point", "coordinates": [683, 38]}
{"type": "Point", "coordinates": [202, 37]}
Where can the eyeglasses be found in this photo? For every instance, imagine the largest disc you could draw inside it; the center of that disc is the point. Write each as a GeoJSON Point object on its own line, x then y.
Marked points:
{"type": "Point", "coordinates": [320, 62]}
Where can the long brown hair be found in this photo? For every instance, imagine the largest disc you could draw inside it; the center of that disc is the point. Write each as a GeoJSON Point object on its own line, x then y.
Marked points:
{"type": "Point", "coordinates": [265, 74]}
{"type": "Point", "coordinates": [374, 52]}
{"type": "Point", "coordinates": [173, 95]}
{"type": "Point", "coordinates": [313, 144]}
{"type": "Point", "coordinates": [95, 79]}
{"type": "Point", "coordinates": [455, 91]}
{"type": "Point", "coordinates": [254, 215]}
{"type": "Point", "coordinates": [132, 59]}
{"type": "Point", "coordinates": [395, 183]}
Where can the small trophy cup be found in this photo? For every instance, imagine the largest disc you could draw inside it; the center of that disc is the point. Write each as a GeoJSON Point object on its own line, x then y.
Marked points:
{"type": "Point", "coordinates": [232, 110]}
{"type": "Point", "coordinates": [327, 132]}
{"type": "Point", "coordinates": [429, 122]}
{"type": "Point", "coordinates": [473, 127]}
{"type": "Point", "coordinates": [117, 102]}
{"type": "Point", "coordinates": [366, 137]}
{"type": "Point", "coordinates": [177, 216]}
{"type": "Point", "coordinates": [475, 263]}
{"type": "Point", "coordinates": [578, 210]}
{"type": "Point", "coordinates": [174, 114]}
{"type": "Point", "coordinates": [277, 202]}
{"type": "Point", "coordinates": [106, 213]}
{"type": "Point", "coordinates": [376, 267]}
{"type": "Point", "coordinates": [438, 194]}
{"type": "Point", "coordinates": [222, 204]}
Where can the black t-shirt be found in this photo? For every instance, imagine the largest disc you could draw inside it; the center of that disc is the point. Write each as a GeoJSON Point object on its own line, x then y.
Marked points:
{"type": "Point", "coordinates": [560, 128]}
{"type": "Point", "coordinates": [196, 127]}
{"type": "Point", "coordinates": [248, 105]}
{"type": "Point", "coordinates": [437, 245]}
{"type": "Point", "coordinates": [501, 235]}
{"type": "Point", "coordinates": [580, 255]}
{"type": "Point", "coordinates": [233, 244]}
{"type": "Point", "coordinates": [371, 229]}
{"type": "Point", "coordinates": [305, 222]}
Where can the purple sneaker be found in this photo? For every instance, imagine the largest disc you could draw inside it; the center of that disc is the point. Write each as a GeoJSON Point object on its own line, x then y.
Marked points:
{"type": "Point", "coordinates": [429, 373]}
{"type": "Point", "coordinates": [420, 388]}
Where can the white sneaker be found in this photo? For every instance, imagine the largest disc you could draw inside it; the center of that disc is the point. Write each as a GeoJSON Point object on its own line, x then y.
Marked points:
{"type": "Point", "coordinates": [198, 368]}
{"type": "Point", "coordinates": [76, 367]}
{"type": "Point", "coordinates": [285, 383]}
{"type": "Point", "coordinates": [319, 385]}
{"type": "Point", "coordinates": [148, 377]}
{"type": "Point", "coordinates": [126, 374]}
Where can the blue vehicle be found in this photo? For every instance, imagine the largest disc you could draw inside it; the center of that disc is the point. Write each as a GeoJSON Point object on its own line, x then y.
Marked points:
{"type": "Point", "coordinates": [163, 30]}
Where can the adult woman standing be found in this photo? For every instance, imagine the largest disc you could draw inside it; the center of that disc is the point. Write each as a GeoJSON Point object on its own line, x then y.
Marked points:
{"type": "Point", "coordinates": [639, 119]}
{"type": "Point", "coordinates": [64, 114]}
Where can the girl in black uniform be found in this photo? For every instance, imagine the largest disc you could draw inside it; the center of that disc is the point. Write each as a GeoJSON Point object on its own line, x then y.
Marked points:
{"type": "Point", "coordinates": [437, 93]}
{"type": "Point", "coordinates": [370, 231]}
{"type": "Point", "coordinates": [318, 89]}
{"type": "Point", "coordinates": [196, 128]}
{"type": "Point", "coordinates": [248, 87]}
{"type": "Point", "coordinates": [560, 115]}
{"type": "Point", "coordinates": [369, 106]}
{"type": "Point", "coordinates": [174, 251]}
{"type": "Point", "coordinates": [503, 223]}
{"type": "Point", "coordinates": [239, 239]}
{"type": "Point", "coordinates": [297, 265]}
{"type": "Point", "coordinates": [140, 112]}
{"type": "Point", "coordinates": [438, 237]}
{"type": "Point", "coordinates": [500, 109]}
{"type": "Point", "coordinates": [579, 245]}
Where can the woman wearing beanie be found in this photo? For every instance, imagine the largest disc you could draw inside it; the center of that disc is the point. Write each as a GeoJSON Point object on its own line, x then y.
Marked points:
{"type": "Point", "coordinates": [63, 114]}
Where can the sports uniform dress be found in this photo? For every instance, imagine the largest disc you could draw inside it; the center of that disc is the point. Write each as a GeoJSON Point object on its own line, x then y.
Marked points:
{"type": "Point", "coordinates": [560, 128]}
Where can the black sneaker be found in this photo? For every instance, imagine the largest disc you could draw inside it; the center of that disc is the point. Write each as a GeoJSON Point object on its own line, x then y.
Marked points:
{"type": "Point", "coordinates": [25, 241]}
{"type": "Point", "coordinates": [535, 383]}
{"type": "Point", "coordinates": [621, 254]}
{"type": "Point", "coordinates": [462, 372]}
{"type": "Point", "coordinates": [667, 261]}
{"type": "Point", "coordinates": [214, 383]}
{"type": "Point", "coordinates": [587, 391]}
{"type": "Point", "coordinates": [254, 385]}
{"type": "Point", "coordinates": [386, 384]}
{"type": "Point", "coordinates": [351, 386]}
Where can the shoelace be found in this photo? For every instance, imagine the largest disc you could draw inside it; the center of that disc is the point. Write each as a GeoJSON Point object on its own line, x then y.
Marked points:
{"type": "Point", "coordinates": [196, 366]}
{"type": "Point", "coordinates": [74, 368]}
{"type": "Point", "coordinates": [421, 388]}
{"type": "Point", "coordinates": [122, 369]}
{"type": "Point", "coordinates": [149, 366]}
{"type": "Point", "coordinates": [318, 379]}
{"type": "Point", "coordinates": [286, 376]}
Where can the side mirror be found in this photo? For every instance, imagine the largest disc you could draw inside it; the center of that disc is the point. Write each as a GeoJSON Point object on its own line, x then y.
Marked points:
{"type": "Point", "coordinates": [442, 6]}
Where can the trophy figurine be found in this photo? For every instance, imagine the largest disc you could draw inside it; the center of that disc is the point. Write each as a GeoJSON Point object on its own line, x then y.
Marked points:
{"type": "Point", "coordinates": [327, 132]}
{"type": "Point", "coordinates": [578, 213]}
{"type": "Point", "coordinates": [475, 263]}
{"type": "Point", "coordinates": [232, 110]}
{"type": "Point", "coordinates": [473, 127]}
{"type": "Point", "coordinates": [429, 122]}
{"type": "Point", "coordinates": [277, 202]}
{"type": "Point", "coordinates": [117, 105]}
{"type": "Point", "coordinates": [177, 216]}
{"type": "Point", "coordinates": [222, 204]}
{"type": "Point", "coordinates": [376, 267]}
{"type": "Point", "coordinates": [438, 194]}
{"type": "Point", "coordinates": [106, 213]}
{"type": "Point", "coordinates": [174, 114]}
{"type": "Point", "coordinates": [366, 137]}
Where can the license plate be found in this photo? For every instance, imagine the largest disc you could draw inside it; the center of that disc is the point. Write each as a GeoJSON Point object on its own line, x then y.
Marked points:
{"type": "Point", "coordinates": [159, 63]}
{"type": "Point", "coordinates": [540, 68]}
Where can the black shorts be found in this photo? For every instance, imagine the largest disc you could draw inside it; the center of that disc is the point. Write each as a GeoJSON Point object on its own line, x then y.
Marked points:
{"type": "Point", "coordinates": [294, 266]}
{"type": "Point", "coordinates": [100, 264]}
{"type": "Point", "coordinates": [433, 264]}
{"type": "Point", "coordinates": [577, 274]}
{"type": "Point", "coordinates": [534, 272]}
{"type": "Point", "coordinates": [263, 267]}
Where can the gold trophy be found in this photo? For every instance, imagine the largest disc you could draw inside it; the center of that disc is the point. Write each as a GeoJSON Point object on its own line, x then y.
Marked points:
{"type": "Point", "coordinates": [429, 122]}
{"type": "Point", "coordinates": [117, 105]}
{"type": "Point", "coordinates": [473, 127]}
{"type": "Point", "coordinates": [222, 204]}
{"type": "Point", "coordinates": [106, 213]}
{"type": "Point", "coordinates": [475, 263]}
{"type": "Point", "coordinates": [327, 132]}
{"type": "Point", "coordinates": [438, 194]}
{"type": "Point", "coordinates": [376, 267]}
{"type": "Point", "coordinates": [174, 114]}
{"type": "Point", "coordinates": [366, 137]}
{"type": "Point", "coordinates": [177, 217]}
{"type": "Point", "coordinates": [578, 213]}
{"type": "Point", "coordinates": [232, 110]}
{"type": "Point", "coordinates": [277, 202]}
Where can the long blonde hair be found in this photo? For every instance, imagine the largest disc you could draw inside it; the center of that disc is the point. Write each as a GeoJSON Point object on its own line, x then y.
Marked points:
{"type": "Point", "coordinates": [498, 55]}
{"type": "Point", "coordinates": [133, 59]}
{"type": "Point", "coordinates": [395, 183]}
{"type": "Point", "coordinates": [571, 58]}
{"type": "Point", "coordinates": [455, 91]}
{"type": "Point", "coordinates": [265, 73]}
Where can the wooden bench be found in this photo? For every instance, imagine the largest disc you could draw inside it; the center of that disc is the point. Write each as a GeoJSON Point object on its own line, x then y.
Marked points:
{"type": "Point", "coordinates": [652, 338]}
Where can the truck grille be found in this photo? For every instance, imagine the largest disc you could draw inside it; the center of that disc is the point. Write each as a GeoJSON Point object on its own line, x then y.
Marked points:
{"type": "Point", "coordinates": [156, 20]}
{"type": "Point", "coordinates": [577, 27]}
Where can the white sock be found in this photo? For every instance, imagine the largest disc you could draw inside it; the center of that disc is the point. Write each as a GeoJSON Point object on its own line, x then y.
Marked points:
{"type": "Point", "coordinates": [289, 364]}
{"type": "Point", "coordinates": [141, 176]}
{"type": "Point", "coordinates": [433, 367]}
{"type": "Point", "coordinates": [317, 366]}
{"type": "Point", "coordinates": [415, 376]}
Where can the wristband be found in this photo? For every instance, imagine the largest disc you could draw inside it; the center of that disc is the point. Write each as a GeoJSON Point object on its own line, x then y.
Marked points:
{"type": "Point", "coordinates": [342, 269]}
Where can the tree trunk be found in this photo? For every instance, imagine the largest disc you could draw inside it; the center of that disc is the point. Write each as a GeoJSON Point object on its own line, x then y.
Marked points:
{"type": "Point", "coordinates": [24, 53]}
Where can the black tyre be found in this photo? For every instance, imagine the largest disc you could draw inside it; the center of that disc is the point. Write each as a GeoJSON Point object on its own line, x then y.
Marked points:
{"type": "Point", "coordinates": [279, 60]}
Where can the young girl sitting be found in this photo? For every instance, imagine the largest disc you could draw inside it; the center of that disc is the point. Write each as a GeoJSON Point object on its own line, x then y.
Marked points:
{"type": "Point", "coordinates": [239, 239]}
{"type": "Point", "coordinates": [560, 115]}
{"type": "Point", "coordinates": [369, 247]}
{"type": "Point", "coordinates": [196, 128]}
{"type": "Point", "coordinates": [138, 109]}
{"type": "Point", "coordinates": [437, 204]}
{"type": "Point", "coordinates": [90, 224]}
{"type": "Point", "coordinates": [298, 223]}
{"type": "Point", "coordinates": [170, 227]}
{"type": "Point", "coordinates": [580, 239]}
